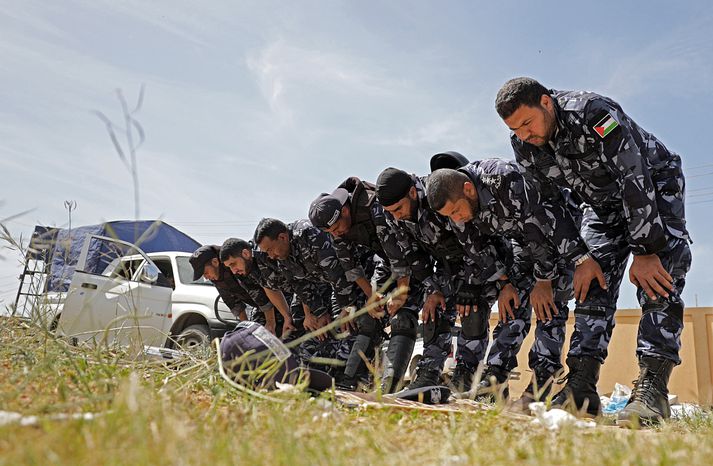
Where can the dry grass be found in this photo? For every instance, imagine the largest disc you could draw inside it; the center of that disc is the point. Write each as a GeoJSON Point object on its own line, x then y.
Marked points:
{"type": "Point", "coordinates": [151, 413]}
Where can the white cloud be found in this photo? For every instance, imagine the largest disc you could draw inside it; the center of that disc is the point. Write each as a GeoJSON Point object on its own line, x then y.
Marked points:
{"type": "Point", "coordinates": [285, 71]}
{"type": "Point", "coordinates": [685, 52]}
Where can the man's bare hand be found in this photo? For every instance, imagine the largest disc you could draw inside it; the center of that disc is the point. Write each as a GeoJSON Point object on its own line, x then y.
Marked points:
{"type": "Point", "coordinates": [395, 303]}
{"type": "Point", "coordinates": [288, 327]}
{"type": "Point", "coordinates": [347, 325]}
{"type": "Point", "coordinates": [508, 301]}
{"type": "Point", "coordinates": [430, 305]}
{"type": "Point", "coordinates": [270, 326]}
{"type": "Point", "coordinates": [377, 312]}
{"type": "Point", "coordinates": [647, 272]}
{"type": "Point", "coordinates": [310, 323]}
{"type": "Point", "coordinates": [584, 274]}
{"type": "Point", "coordinates": [323, 320]}
{"type": "Point", "coordinates": [542, 299]}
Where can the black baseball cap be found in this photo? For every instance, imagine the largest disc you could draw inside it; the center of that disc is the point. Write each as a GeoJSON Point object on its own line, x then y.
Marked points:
{"type": "Point", "coordinates": [201, 257]}
{"type": "Point", "coordinates": [450, 159]}
{"type": "Point", "coordinates": [325, 210]}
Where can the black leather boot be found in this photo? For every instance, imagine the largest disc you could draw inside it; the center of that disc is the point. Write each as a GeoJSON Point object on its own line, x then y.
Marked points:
{"type": "Point", "coordinates": [398, 357]}
{"type": "Point", "coordinates": [425, 377]}
{"type": "Point", "coordinates": [579, 395]}
{"type": "Point", "coordinates": [649, 399]}
{"type": "Point", "coordinates": [539, 389]}
{"type": "Point", "coordinates": [462, 380]}
{"type": "Point", "coordinates": [493, 385]}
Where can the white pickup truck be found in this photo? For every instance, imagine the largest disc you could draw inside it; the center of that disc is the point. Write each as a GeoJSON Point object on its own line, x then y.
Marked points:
{"type": "Point", "coordinates": [138, 298]}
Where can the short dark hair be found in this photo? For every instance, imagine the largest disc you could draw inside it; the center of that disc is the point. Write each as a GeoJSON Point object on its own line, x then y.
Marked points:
{"type": "Point", "coordinates": [269, 228]}
{"type": "Point", "coordinates": [517, 92]}
{"type": "Point", "coordinates": [233, 247]}
{"type": "Point", "coordinates": [443, 185]}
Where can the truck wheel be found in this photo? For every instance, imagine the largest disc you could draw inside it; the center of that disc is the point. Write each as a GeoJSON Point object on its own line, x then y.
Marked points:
{"type": "Point", "coordinates": [54, 324]}
{"type": "Point", "coordinates": [193, 336]}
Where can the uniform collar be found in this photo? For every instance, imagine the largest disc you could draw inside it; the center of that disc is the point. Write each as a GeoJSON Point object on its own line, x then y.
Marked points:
{"type": "Point", "coordinates": [421, 199]}
{"type": "Point", "coordinates": [485, 197]}
{"type": "Point", "coordinates": [561, 140]}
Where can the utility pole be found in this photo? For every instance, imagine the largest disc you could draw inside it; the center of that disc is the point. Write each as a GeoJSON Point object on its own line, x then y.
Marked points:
{"type": "Point", "coordinates": [70, 206]}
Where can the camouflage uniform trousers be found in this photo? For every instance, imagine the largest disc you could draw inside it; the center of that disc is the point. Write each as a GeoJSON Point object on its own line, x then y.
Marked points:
{"type": "Point", "coordinates": [661, 323]}
{"type": "Point", "coordinates": [545, 356]}
{"type": "Point", "coordinates": [438, 345]}
{"type": "Point", "coordinates": [471, 351]}
{"type": "Point", "coordinates": [414, 300]}
{"type": "Point", "coordinates": [313, 352]}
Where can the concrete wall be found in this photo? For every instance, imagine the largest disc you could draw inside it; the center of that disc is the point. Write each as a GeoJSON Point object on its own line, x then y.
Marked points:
{"type": "Point", "coordinates": [692, 381]}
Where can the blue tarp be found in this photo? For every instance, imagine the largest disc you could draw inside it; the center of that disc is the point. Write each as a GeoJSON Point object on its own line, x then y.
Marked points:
{"type": "Point", "coordinates": [150, 236]}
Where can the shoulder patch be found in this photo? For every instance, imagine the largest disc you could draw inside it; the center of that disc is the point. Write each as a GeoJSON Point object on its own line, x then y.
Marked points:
{"type": "Point", "coordinates": [605, 124]}
{"type": "Point", "coordinates": [492, 180]}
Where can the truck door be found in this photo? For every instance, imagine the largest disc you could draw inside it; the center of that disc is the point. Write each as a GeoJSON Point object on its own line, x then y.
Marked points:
{"type": "Point", "coordinates": [119, 304]}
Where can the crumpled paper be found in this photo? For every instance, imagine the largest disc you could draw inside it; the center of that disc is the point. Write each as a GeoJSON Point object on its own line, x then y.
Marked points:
{"type": "Point", "coordinates": [556, 418]}
{"type": "Point", "coordinates": [9, 417]}
{"type": "Point", "coordinates": [687, 410]}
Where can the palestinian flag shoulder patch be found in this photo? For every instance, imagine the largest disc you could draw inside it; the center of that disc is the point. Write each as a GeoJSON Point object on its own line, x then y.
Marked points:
{"type": "Point", "coordinates": [605, 126]}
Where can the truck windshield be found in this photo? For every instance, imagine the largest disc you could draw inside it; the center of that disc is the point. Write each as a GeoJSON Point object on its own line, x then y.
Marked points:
{"type": "Point", "coordinates": [185, 273]}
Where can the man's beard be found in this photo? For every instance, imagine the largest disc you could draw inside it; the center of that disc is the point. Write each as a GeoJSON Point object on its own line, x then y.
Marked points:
{"type": "Point", "coordinates": [248, 265]}
{"type": "Point", "coordinates": [413, 208]}
{"type": "Point", "coordinates": [473, 205]}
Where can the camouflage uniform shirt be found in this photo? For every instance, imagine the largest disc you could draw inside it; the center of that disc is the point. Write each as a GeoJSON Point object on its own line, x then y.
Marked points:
{"type": "Point", "coordinates": [312, 262]}
{"type": "Point", "coordinates": [510, 204]}
{"type": "Point", "coordinates": [614, 166]}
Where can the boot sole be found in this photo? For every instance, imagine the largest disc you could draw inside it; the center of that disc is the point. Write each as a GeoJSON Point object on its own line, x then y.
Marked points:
{"type": "Point", "coordinates": [636, 424]}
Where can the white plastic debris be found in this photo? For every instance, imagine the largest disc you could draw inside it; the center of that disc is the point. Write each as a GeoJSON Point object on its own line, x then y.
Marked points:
{"type": "Point", "coordinates": [556, 418]}
{"type": "Point", "coordinates": [619, 397]}
{"type": "Point", "coordinates": [286, 388]}
{"type": "Point", "coordinates": [8, 417]}
{"type": "Point", "coordinates": [686, 410]}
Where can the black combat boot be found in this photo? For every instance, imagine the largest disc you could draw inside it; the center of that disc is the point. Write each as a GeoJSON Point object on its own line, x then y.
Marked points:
{"type": "Point", "coordinates": [649, 399]}
{"type": "Point", "coordinates": [425, 377]}
{"type": "Point", "coordinates": [580, 394]}
{"type": "Point", "coordinates": [396, 361]}
{"type": "Point", "coordinates": [347, 383]}
{"type": "Point", "coordinates": [539, 389]}
{"type": "Point", "coordinates": [348, 379]}
{"type": "Point", "coordinates": [493, 385]}
{"type": "Point", "coordinates": [462, 380]}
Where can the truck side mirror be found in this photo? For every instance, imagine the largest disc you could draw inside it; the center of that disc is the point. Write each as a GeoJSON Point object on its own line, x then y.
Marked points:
{"type": "Point", "coordinates": [149, 274]}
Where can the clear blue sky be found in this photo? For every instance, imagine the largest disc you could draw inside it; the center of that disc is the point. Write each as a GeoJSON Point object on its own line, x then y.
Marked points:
{"type": "Point", "coordinates": [253, 108]}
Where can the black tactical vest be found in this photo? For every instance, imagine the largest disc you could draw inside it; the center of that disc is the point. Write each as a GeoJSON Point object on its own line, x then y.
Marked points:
{"type": "Point", "coordinates": [362, 195]}
{"type": "Point", "coordinates": [448, 248]}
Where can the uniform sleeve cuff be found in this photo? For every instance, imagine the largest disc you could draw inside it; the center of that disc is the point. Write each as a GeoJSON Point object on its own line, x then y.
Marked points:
{"type": "Point", "coordinates": [652, 248]}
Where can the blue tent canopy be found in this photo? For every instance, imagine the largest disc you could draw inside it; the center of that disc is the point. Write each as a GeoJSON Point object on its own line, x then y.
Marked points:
{"type": "Point", "coordinates": [150, 236]}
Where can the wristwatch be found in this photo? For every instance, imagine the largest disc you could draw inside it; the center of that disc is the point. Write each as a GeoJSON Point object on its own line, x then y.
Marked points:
{"type": "Point", "coordinates": [581, 260]}
{"type": "Point", "coordinates": [501, 283]}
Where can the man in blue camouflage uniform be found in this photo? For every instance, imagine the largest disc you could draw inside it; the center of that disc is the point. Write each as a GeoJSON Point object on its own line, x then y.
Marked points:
{"type": "Point", "coordinates": [482, 266]}
{"type": "Point", "coordinates": [305, 257]}
{"type": "Point", "coordinates": [493, 198]}
{"type": "Point", "coordinates": [357, 222]}
{"type": "Point", "coordinates": [206, 263]}
{"type": "Point", "coordinates": [237, 255]}
{"type": "Point", "coordinates": [633, 187]}
{"type": "Point", "coordinates": [447, 281]}
{"type": "Point", "coordinates": [300, 258]}
{"type": "Point", "coordinates": [244, 262]}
